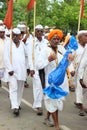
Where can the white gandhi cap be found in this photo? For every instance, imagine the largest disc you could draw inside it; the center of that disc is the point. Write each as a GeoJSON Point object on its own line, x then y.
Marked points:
{"type": "Point", "coordinates": [1, 22]}
{"type": "Point", "coordinates": [81, 32]}
{"type": "Point", "coordinates": [22, 27]}
{"type": "Point", "coordinates": [46, 27]}
{"type": "Point", "coordinates": [39, 26]}
{"type": "Point", "coordinates": [16, 31]}
{"type": "Point", "coordinates": [2, 29]}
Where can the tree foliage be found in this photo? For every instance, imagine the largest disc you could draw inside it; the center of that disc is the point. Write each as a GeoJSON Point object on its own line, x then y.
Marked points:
{"type": "Point", "coordinates": [63, 15]}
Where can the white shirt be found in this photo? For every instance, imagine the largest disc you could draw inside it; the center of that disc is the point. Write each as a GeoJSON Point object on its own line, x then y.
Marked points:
{"type": "Point", "coordinates": [35, 48]}
{"type": "Point", "coordinates": [83, 64]}
{"type": "Point", "coordinates": [18, 60]}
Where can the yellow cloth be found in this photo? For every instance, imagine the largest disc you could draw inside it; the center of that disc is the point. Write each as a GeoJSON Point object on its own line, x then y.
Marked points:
{"type": "Point", "coordinates": [67, 38]}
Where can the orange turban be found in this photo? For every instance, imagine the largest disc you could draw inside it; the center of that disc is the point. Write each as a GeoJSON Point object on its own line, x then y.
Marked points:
{"type": "Point", "coordinates": [55, 31]}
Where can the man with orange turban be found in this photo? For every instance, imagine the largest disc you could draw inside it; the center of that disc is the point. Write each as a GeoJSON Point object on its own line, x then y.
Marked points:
{"type": "Point", "coordinates": [56, 31]}
{"type": "Point", "coordinates": [49, 59]}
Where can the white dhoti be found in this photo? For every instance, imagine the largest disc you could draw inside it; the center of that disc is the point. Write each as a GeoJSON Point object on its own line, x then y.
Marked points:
{"type": "Point", "coordinates": [16, 88]}
{"type": "Point", "coordinates": [53, 104]}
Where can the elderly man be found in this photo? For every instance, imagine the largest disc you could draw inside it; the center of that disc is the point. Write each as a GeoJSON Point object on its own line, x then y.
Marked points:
{"type": "Point", "coordinates": [49, 59]}
{"type": "Point", "coordinates": [26, 37]}
{"type": "Point", "coordinates": [82, 40]}
{"type": "Point", "coordinates": [15, 64]}
{"type": "Point", "coordinates": [35, 47]}
{"type": "Point", "coordinates": [2, 65]}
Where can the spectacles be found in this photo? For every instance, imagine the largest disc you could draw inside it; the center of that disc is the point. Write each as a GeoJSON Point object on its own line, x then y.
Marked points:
{"type": "Point", "coordinates": [39, 31]}
{"type": "Point", "coordinates": [2, 32]}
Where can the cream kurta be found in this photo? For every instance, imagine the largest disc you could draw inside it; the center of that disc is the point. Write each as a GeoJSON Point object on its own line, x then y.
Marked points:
{"type": "Point", "coordinates": [83, 64]}
{"type": "Point", "coordinates": [34, 49]}
{"type": "Point", "coordinates": [2, 65]}
{"type": "Point", "coordinates": [16, 81]}
{"type": "Point", "coordinates": [18, 60]}
{"type": "Point", "coordinates": [79, 93]}
{"type": "Point", "coordinates": [82, 68]}
{"type": "Point", "coordinates": [27, 44]}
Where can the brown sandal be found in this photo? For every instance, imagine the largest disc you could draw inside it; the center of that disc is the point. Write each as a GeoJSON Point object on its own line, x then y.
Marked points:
{"type": "Point", "coordinates": [39, 111]}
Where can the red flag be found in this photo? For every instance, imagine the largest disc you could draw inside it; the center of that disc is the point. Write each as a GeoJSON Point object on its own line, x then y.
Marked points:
{"type": "Point", "coordinates": [8, 17]}
{"type": "Point", "coordinates": [82, 8]}
{"type": "Point", "coordinates": [30, 5]}
{"type": "Point", "coordinates": [7, 2]}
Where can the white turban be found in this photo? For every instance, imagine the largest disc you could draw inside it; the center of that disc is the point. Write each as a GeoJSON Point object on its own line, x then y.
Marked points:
{"type": "Point", "coordinates": [39, 26]}
{"type": "Point", "coordinates": [16, 31]}
{"type": "Point", "coordinates": [2, 29]}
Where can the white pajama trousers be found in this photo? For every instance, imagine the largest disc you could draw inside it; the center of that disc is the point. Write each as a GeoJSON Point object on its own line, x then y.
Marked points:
{"type": "Point", "coordinates": [37, 92]}
{"type": "Point", "coordinates": [16, 88]}
{"type": "Point", "coordinates": [79, 93]}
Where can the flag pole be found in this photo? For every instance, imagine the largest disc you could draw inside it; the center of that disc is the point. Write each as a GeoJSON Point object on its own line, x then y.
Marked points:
{"type": "Point", "coordinates": [80, 13]}
{"type": "Point", "coordinates": [11, 46]}
{"type": "Point", "coordinates": [79, 19]}
{"type": "Point", "coordinates": [34, 31]}
{"type": "Point", "coordinates": [34, 15]}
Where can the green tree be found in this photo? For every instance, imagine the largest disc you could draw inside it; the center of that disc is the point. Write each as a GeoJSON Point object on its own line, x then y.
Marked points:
{"type": "Point", "coordinates": [63, 15]}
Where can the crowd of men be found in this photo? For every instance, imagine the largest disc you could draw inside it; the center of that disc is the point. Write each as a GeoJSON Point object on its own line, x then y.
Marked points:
{"type": "Point", "coordinates": [23, 54]}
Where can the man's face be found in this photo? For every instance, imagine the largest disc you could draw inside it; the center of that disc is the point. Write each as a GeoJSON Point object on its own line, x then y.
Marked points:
{"type": "Point", "coordinates": [83, 39]}
{"type": "Point", "coordinates": [46, 30]}
{"type": "Point", "coordinates": [2, 34]}
{"type": "Point", "coordinates": [39, 33]}
{"type": "Point", "coordinates": [16, 38]}
{"type": "Point", "coordinates": [54, 41]}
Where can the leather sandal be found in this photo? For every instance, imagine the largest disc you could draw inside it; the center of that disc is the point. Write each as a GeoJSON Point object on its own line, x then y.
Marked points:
{"type": "Point", "coordinates": [39, 111]}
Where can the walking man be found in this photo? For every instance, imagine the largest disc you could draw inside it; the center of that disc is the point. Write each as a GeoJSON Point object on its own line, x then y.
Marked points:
{"type": "Point", "coordinates": [16, 69]}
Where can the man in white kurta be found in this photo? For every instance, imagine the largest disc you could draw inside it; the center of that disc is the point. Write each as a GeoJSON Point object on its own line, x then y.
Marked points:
{"type": "Point", "coordinates": [3, 39]}
{"type": "Point", "coordinates": [15, 65]}
{"type": "Point", "coordinates": [26, 37]}
{"type": "Point", "coordinates": [79, 55]}
{"type": "Point", "coordinates": [27, 41]}
{"type": "Point", "coordinates": [2, 65]}
{"type": "Point", "coordinates": [82, 77]}
{"type": "Point", "coordinates": [35, 47]}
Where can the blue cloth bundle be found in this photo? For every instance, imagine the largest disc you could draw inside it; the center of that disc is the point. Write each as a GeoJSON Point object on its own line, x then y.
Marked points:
{"type": "Point", "coordinates": [56, 77]}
